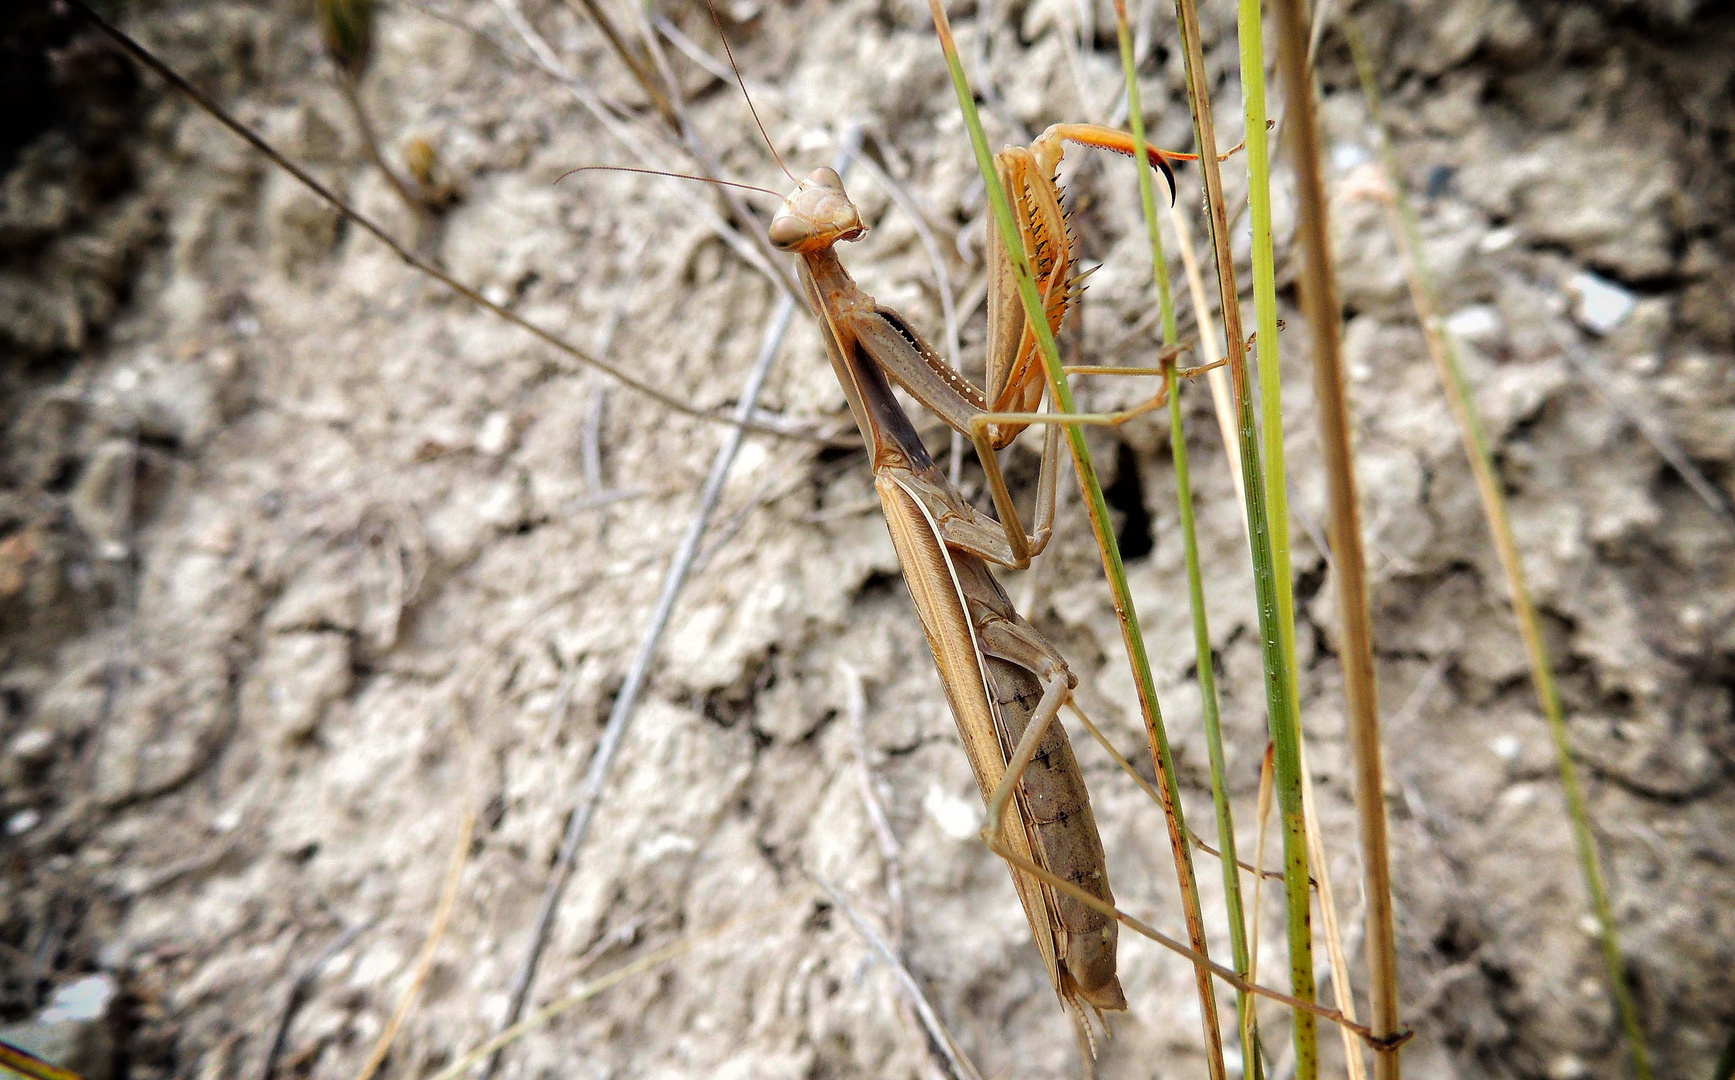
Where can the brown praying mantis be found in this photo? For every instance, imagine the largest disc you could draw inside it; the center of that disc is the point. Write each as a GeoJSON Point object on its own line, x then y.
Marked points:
{"type": "Point", "coordinates": [1004, 681]}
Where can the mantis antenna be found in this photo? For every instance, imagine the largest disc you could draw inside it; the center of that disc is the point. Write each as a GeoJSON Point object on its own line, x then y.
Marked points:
{"type": "Point", "coordinates": [736, 68]}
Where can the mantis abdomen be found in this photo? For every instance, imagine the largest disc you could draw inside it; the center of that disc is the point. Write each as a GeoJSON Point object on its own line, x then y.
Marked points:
{"type": "Point", "coordinates": [997, 669]}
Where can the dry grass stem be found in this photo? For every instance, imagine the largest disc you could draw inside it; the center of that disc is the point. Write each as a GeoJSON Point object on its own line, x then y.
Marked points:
{"type": "Point", "coordinates": [425, 960]}
{"type": "Point", "coordinates": [591, 989]}
{"type": "Point", "coordinates": [962, 1066]}
{"type": "Point", "coordinates": [1349, 564]}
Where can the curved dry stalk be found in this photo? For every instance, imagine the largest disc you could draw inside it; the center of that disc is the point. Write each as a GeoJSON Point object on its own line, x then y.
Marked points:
{"type": "Point", "coordinates": [350, 91]}
{"type": "Point", "coordinates": [544, 1016]}
{"type": "Point", "coordinates": [961, 1064]}
{"type": "Point", "coordinates": [425, 960]}
{"type": "Point", "coordinates": [1341, 987]}
{"type": "Point", "coordinates": [368, 225]}
{"type": "Point", "coordinates": [749, 245]}
{"type": "Point", "coordinates": [659, 100]}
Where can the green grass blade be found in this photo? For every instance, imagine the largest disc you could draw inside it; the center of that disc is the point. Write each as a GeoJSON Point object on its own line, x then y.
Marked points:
{"type": "Point", "coordinates": [1280, 706]}
{"type": "Point", "coordinates": [1461, 397]}
{"type": "Point", "coordinates": [1265, 313]}
{"type": "Point", "coordinates": [1195, 578]}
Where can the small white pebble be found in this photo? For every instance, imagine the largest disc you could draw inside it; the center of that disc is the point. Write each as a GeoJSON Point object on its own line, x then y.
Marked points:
{"type": "Point", "coordinates": [1518, 795]}
{"type": "Point", "coordinates": [1347, 155]}
{"type": "Point", "coordinates": [1506, 747]}
{"type": "Point", "coordinates": [956, 818]}
{"type": "Point", "coordinates": [32, 745]}
{"type": "Point", "coordinates": [82, 999]}
{"type": "Point", "coordinates": [494, 434]}
{"type": "Point", "coordinates": [1599, 304]}
{"type": "Point", "coordinates": [1497, 239]}
{"type": "Point", "coordinates": [1479, 324]}
{"type": "Point", "coordinates": [1567, 1067]}
{"type": "Point", "coordinates": [1588, 924]}
{"type": "Point", "coordinates": [1645, 364]}
{"type": "Point", "coordinates": [22, 822]}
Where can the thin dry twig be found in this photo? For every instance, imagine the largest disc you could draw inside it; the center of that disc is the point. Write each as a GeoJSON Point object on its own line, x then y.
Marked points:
{"type": "Point", "coordinates": [891, 852]}
{"type": "Point", "coordinates": [620, 716]}
{"type": "Point", "coordinates": [625, 55]}
{"type": "Point", "coordinates": [298, 991]}
{"type": "Point", "coordinates": [544, 1016]}
{"type": "Point", "coordinates": [596, 776]}
{"type": "Point", "coordinates": [436, 931]}
{"type": "Point", "coordinates": [961, 1064]}
{"type": "Point", "coordinates": [351, 94]}
{"type": "Point", "coordinates": [1584, 364]}
{"type": "Point", "coordinates": [409, 258]}
{"type": "Point", "coordinates": [1336, 961]}
{"type": "Point", "coordinates": [638, 142]}
{"type": "Point", "coordinates": [591, 446]}
{"type": "Point", "coordinates": [1150, 792]}
{"type": "Point", "coordinates": [855, 704]}
{"type": "Point", "coordinates": [1212, 345]}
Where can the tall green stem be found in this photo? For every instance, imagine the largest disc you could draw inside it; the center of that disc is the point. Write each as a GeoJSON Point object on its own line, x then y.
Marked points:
{"type": "Point", "coordinates": [1461, 397]}
{"type": "Point", "coordinates": [1195, 577]}
{"type": "Point", "coordinates": [1279, 682]}
{"type": "Point", "coordinates": [1265, 313]}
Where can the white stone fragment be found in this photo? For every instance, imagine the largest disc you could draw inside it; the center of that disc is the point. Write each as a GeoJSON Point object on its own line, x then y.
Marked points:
{"type": "Point", "coordinates": [956, 817]}
{"type": "Point", "coordinates": [1599, 305]}
{"type": "Point", "coordinates": [82, 999]}
{"type": "Point", "coordinates": [494, 434]}
{"type": "Point", "coordinates": [1478, 324]}
{"type": "Point", "coordinates": [1497, 239]}
{"type": "Point", "coordinates": [1347, 155]}
{"type": "Point", "coordinates": [1506, 747]}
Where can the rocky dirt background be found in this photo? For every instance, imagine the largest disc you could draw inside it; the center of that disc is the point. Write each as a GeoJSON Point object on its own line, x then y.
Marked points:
{"type": "Point", "coordinates": [302, 561]}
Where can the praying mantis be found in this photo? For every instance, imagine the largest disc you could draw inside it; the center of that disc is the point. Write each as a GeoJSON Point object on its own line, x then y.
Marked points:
{"type": "Point", "coordinates": [1002, 678]}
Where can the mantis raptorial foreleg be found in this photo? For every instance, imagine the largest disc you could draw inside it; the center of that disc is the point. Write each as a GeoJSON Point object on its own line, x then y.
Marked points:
{"type": "Point", "coordinates": [819, 214]}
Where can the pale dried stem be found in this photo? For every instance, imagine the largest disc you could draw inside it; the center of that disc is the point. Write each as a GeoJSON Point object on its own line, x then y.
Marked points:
{"type": "Point", "coordinates": [1349, 567]}
{"type": "Point", "coordinates": [961, 1064]}
{"type": "Point", "coordinates": [1341, 986]}
{"type": "Point", "coordinates": [1222, 400]}
{"type": "Point", "coordinates": [436, 931]}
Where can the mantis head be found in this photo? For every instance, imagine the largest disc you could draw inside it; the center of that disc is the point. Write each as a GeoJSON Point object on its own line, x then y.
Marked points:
{"type": "Point", "coordinates": [816, 216]}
